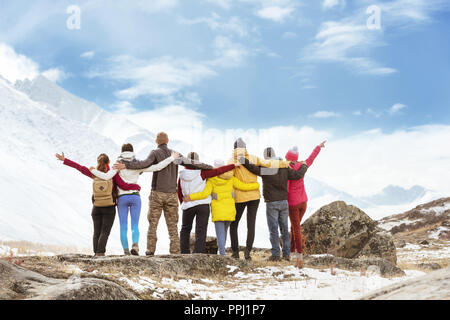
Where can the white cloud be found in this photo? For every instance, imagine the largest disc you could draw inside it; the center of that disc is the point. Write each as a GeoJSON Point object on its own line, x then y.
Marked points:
{"type": "Point", "coordinates": [324, 114]}
{"type": "Point", "coordinates": [123, 107]}
{"type": "Point", "coordinates": [346, 42]}
{"type": "Point", "coordinates": [167, 76]}
{"type": "Point", "coordinates": [88, 54]}
{"type": "Point", "coordinates": [215, 22]}
{"type": "Point", "coordinates": [275, 13]}
{"type": "Point", "coordinates": [357, 113]}
{"type": "Point", "coordinates": [328, 4]}
{"type": "Point", "coordinates": [373, 113]}
{"type": "Point", "coordinates": [55, 74]}
{"type": "Point", "coordinates": [396, 108]}
{"type": "Point", "coordinates": [14, 66]}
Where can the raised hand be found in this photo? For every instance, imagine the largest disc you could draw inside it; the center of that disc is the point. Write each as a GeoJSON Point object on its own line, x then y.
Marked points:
{"type": "Point", "coordinates": [119, 166]}
{"type": "Point", "coordinates": [91, 168]}
{"type": "Point", "coordinates": [322, 145]}
{"type": "Point", "coordinates": [61, 156]}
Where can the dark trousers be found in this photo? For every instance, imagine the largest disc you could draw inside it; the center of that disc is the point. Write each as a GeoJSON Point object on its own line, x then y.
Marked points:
{"type": "Point", "coordinates": [103, 218]}
{"type": "Point", "coordinates": [252, 209]}
{"type": "Point", "coordinates": [201, 215]}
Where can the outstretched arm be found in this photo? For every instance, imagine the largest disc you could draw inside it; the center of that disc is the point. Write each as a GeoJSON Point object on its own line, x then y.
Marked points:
{"type": "Point", "coordinates": [159, 166]}
{"type": "Point", "coordinates": [73, 164]}
{"type": "Point", "coordinates": [216, 172]}
{"type": "Point", "coordinates": [238, 184]}
{"type": "Point", "coordinates": [138, 164]}
{"type": "Point", "coordinates": [314, 154]}
{"type": "Point", "coordinates": [202, 194]}
{"type": "Point", "coordinates": [252, 168]}
{"type": "Point", "coordinates": [102, 175]}
{"type": "Point", "coordinates": [297, 174]}
{"type": "Point", "coordinates": [125, 186]}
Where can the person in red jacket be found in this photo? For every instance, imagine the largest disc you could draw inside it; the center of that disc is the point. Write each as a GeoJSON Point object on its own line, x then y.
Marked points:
{"type": "Point", "coordinates": [298, 200]}
{"type": "Point", "coordinates": [192, 181]}
{"type": "Point", "coordinates": [104, 210]}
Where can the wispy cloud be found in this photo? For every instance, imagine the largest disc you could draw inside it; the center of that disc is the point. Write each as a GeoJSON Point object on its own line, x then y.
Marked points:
{"type": "Point", "coordinates": [325, 114]}
{"type": "Point", "coordinates": [396, 108]}
{"type": "Point", "coordinates": [275, 13]}
{"type": "Point", "coordinates": [216, 23]}
{"type": "Point", "coordinates": [155, 6]}
{"type": "Point", "coordinates": [55, 74]}
{"type": "Point", "coordinates": [88, 54]}
{"type": "Point", "coordinates": [328, 4]}
{"type": "Point", "coordinates": [168, 75]}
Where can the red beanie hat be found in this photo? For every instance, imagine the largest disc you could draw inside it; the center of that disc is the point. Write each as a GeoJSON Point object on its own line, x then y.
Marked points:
{"type": "Point", "coordinates": [292, 154]}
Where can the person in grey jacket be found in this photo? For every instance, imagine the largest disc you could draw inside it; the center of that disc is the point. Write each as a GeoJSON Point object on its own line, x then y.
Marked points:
{"type": "Point", "coordinates": [276, 197]}
{"type": "Point", "coordinates": [163, 196]}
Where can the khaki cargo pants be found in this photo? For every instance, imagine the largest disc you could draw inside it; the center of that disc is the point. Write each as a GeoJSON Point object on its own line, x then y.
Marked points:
{"type": "Point", "coordinates": [167, 202]}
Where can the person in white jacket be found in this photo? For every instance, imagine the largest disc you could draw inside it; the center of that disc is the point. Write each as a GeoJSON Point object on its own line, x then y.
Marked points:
{"type": "Point", "coordinates": [129, 201]}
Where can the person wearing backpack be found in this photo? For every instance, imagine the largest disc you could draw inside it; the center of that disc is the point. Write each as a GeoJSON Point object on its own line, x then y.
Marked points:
{"type": "Point", "coordinates": [223, 208]}
{"type": "Point", "coordinates": [104, 199]}
{"type": "Point", "coordinates": [130, 200]}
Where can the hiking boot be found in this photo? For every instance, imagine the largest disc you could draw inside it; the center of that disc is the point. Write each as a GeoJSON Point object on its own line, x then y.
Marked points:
{"type": "Point", "coordinates": [235, 255]}
{"type": "Point", "coordinates": [286, 258]}
{"type": "Point", "coordinates": [273, 258]}
{"type": "Point", "coordinates": [126, 252]}
{"type": "Point", "coordinates": [135, 249]}
{"type": "Point", "coordinates": [99, 254]}
{"type": "Point", "coordinates": [148, 253]}
{"type": "Point", "coordinates": [247, 255]}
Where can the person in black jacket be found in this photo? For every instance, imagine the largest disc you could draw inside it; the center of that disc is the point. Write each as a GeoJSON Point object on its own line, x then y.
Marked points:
{"type": "Point", "coordinates": [276, 197]}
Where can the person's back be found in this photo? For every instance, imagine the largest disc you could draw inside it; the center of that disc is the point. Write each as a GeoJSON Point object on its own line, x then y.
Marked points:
{"type": "Point", "coordinates": [166, 179]}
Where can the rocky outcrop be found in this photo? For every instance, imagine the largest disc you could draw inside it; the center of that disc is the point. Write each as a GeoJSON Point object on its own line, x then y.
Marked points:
{"type": "Point", "coordinates": [346, 231]}
{"type": "Point", "coordinates": [384, 267]}
{"type": "Point", "coordinates": [211, 246]}
{"type": "Point", "coordinates": [19, 283]}
{"type": "Point", "coordinates": [433, 286]}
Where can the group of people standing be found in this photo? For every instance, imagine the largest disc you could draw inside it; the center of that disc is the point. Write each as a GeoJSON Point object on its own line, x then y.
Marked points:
{"type": "Point", "coordinates": [225, 191]}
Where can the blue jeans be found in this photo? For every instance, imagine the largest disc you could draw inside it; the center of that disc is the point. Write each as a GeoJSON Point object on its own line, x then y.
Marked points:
{"type": "Point", "coordinates": [130, 203]}
{"type": "Point", "coordinates": [221, 234]}
{"type": "Point", "coordinates": [277, 213]}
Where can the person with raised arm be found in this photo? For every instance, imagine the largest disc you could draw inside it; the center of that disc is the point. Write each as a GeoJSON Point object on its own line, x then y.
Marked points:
{"type": "Point", "coordinates": [104, 199]}
{"type": "Point", "coordinates": [275, 181]}
{"type": "Point", "coordinates": [130, 200]}
{"type": "Point", "coordinates": [298, 201]}
{"type": "Point", "coordinates": [163, 196]}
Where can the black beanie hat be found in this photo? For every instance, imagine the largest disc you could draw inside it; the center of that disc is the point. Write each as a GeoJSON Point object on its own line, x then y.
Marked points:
{"type": "Point", "coordinates": [239, 143]}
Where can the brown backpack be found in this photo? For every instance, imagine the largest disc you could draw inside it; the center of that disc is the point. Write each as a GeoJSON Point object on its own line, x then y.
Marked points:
{"type": "Point", "coordinates": [103, 193]}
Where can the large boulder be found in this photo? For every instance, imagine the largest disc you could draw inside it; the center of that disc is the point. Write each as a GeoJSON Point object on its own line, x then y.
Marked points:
{"type": "Point", "coordinates": [346, 231]}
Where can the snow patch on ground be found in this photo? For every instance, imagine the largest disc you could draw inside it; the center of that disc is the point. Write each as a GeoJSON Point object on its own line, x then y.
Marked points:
{"type": "Point", "coordinates": [391, 224]}
{"type": "Point", "coordinates": [438, 210]}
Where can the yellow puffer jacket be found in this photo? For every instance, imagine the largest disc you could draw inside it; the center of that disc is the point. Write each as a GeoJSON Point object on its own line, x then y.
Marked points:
{"type": "Point", "coordinates": [245, 176]}
{"type": "Point", "coordinates": [221, 189]}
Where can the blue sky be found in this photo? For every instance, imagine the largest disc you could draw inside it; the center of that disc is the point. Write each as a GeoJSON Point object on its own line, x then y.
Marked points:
{"type": "Point", "coordinates": [247, 63]}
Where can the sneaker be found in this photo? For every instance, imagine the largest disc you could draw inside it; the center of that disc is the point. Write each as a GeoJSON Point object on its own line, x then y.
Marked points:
{"type": "Point", "coordinates": [273, 258]}
{"type": "Point", "coordinates": [126, 252]}
{"type": "Point", "coordinates": [148, 253]}
{"type": "Point", "coordinates": [99, 254]}
{"type": "Point", "coordinates": [135, 249]}
{"type": "Point", "coordinates": [247, 255]}
{"type": "Point", "coordinates": [286, 258]}
{"type": "Point", "coordinates": [235, 255]}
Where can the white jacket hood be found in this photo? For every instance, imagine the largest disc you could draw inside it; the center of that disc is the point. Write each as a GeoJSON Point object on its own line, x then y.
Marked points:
{"type": "Point", "coordinates": [189, 175]}
{"type": "Point", "coordinates": [127, 156]}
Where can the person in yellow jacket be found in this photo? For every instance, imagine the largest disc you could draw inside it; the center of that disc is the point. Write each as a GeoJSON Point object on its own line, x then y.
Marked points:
{"type": "Point", "coordinates": [223, 209]}
{"type": "Point", "coordinates": [247, 198]}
